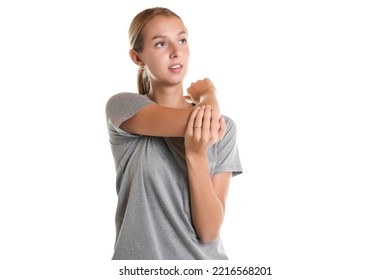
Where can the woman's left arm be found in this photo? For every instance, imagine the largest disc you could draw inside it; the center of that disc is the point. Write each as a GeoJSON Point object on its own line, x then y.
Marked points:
{"type": "Point", "coordinates": [207, 194]}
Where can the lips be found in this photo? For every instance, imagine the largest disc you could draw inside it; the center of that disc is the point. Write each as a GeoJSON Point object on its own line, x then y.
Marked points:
{"type": "Point", "coordinates": [175, 67]}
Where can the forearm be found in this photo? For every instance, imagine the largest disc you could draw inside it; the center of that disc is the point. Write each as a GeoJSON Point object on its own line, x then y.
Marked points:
{"type": "Point", "coordinates": [207, 210]}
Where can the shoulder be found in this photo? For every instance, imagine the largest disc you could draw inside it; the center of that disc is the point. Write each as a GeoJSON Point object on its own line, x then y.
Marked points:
{"type": "Point", "coordinates": [123, 96]}
{"type": "Point", "coordinates": [125, 101]}
{"type": "Point", "coordinates": [230, 124]}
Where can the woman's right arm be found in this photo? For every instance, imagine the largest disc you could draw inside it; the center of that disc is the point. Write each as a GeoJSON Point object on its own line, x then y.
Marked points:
{"type": "Point", "coordinates": [156, 120]}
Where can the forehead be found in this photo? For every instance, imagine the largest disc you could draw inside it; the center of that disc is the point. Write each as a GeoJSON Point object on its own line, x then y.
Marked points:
{"type": "Point", "coordinates": [162, 25]}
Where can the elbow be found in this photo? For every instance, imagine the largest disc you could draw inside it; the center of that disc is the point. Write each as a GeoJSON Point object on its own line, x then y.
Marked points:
{"type": "Point", "coordinates": [207, 240]}
{"type": "Point", "coordinates": [208, 237]}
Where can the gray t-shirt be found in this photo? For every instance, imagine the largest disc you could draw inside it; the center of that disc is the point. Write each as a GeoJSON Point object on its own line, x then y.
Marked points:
{"type": "Point", "coordinates": [153, 215]}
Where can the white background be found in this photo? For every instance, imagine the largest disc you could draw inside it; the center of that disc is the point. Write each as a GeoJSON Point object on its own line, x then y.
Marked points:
{"type": "Point", "coordinates": [307, 83]}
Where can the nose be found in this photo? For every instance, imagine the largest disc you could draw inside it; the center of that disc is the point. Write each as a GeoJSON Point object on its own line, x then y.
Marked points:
{"type": "Point", "coordinates": [175, 52]}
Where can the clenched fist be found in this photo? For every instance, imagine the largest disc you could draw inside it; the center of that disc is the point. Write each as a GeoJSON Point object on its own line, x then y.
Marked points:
{"type": "Point", "coordinates": [199, 89]}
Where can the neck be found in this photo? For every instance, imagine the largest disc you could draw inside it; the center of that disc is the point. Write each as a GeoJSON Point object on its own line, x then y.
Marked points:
{"type": "Point", "coordinates": [171, 97]}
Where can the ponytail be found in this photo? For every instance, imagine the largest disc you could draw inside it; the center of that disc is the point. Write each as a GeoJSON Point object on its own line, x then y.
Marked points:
{"type": "Point", "coordinates": [143, 82]}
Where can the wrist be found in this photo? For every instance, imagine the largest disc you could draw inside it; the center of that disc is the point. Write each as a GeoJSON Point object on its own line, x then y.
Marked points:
{"type": "Point", "coordinates": [210, 99]}
{"type": "Point", "coordinates": [194, 157]}
{"type": "Point", "coordinates": [210, 92]}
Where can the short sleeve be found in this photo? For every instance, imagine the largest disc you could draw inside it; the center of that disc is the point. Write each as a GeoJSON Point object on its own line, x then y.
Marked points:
{"type": "Point", "coordinates": [228, 158]}
{"type": "Point", "coordinates": [121, 107]}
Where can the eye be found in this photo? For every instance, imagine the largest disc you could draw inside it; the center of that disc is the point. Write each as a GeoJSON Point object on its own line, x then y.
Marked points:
{"type": "Point", "coordinates": [183, 41]}
{"type": "Point", "coordinates": [160, 44]}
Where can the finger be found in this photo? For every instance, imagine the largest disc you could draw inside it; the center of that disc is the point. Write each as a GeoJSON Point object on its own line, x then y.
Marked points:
{"type": "Point", "coordinates": [191, 120]}
{"type": "Point", "coordinates": [206, 120]}
{"type": "Point", "coordinates": [198, 121]}
{"type": "Point", "coordinates": [188, 98]}
{"type": "Point", "coordinates": [191, 88]}
{"type": "Point", "coordinates": [222, 128]}
{"type": "Point", "coordinates": [214, 124]}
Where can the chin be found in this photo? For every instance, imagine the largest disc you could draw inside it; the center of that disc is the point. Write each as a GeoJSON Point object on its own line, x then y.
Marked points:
{"type": "Point", "coordinates": [177, 80]}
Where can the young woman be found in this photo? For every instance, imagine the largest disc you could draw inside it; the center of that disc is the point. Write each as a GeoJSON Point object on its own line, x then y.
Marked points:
{"type": "Point", "coordinates": [174, 154]}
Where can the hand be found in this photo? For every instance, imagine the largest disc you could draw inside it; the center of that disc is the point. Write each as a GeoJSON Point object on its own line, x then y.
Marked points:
{"type": "Point", "coordinates": [204, 129]}
{"type": "Point", "coordinates": [199, 88]}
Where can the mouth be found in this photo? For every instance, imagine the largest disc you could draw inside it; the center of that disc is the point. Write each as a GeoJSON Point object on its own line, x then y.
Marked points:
{"type": "Point", "coordinates": [175, 67]}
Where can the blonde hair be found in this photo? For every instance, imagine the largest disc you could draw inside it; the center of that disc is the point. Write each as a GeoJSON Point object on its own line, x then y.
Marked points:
{"type": "Point", "coordinates": [136, 40]}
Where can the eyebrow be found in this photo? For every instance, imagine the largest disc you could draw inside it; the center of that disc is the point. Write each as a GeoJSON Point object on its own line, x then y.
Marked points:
{"type": "Point", "coordinates": [162, 36]}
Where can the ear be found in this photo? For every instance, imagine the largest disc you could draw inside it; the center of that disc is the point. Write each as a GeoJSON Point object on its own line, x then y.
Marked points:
{"type": "Point", "coordinates": [135, 57]}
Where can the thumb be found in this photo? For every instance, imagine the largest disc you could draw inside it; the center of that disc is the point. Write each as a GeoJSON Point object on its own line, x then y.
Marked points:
{"type": "Point", "coordinates": [188, 98]}
{"type": "Point", "coordinates": [222, 128]}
